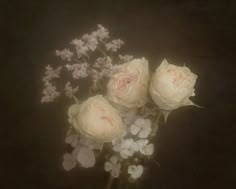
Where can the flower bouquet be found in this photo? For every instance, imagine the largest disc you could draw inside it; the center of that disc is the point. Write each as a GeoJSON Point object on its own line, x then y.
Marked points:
{"type": "Point", "coordinates": [116, 113]}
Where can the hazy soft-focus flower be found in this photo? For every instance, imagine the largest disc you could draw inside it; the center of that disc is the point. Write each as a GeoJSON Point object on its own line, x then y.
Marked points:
{"type": "Point", "coordinates": [114, 45]}
{"type": "Point", "coordinates": [78, 70]}
{"type": "Point", "coordinates": [65, 54]}
{"type": "Point", "coordinates": [171, 86]}
{"type": "Point", "coordinates": [50, 93]}
{"type": "Point", "coordinates": [141, 127]}
{"type": "Point", "coordinates": [125, 58]}
{"type": "Point", "coordinates": [69, 90]}
{"type": "Point", "coordinates": [69, 162]}
{"type": "Point", "coordinates": [135, 171]}
{"type": "Point", "coordinates": [113, 166]}
{"type": "Point", "coordinates": [97, 119]}
{"type": "Point", "coordinates": [86, 157]}
{"type": "Point", "coordinates": [129, 85]}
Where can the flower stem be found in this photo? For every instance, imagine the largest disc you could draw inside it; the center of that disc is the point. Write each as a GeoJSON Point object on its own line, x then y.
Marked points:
{"type": "Point", "coordinates": [156, 125]}
{"type": "Point", "coordinates": [109, 182]}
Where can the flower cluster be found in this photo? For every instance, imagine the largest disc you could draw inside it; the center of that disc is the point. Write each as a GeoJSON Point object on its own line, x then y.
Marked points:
{"type": "Point", "coordinates": [79, 64]}
{"type": "Point", "coordinates": [123, 106]}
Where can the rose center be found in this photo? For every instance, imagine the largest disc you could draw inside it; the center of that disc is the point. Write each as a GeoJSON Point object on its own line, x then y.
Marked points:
{"type": "Point", "coordinates": [125, 81]}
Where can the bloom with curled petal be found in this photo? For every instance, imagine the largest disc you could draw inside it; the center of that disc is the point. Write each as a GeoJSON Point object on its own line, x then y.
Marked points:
{"type": "Point", "coordinates": [171, 86]}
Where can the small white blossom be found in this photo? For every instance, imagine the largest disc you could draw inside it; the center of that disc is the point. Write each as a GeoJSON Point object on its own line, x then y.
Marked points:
{"type": "Point", "coordinates": [141, 127]}
{"type": "Point", "coordinates": [50, 93]}
{"type": "Point", "coordinates": [80, 46]}
{"type": "Point", "coordinates": [101, 33]}
{"type": "Point", "coordinates": [125, 58]}
{"type": "Point", "coordinates": [69, 162]}
{"type": "Point", "coordinates": [135, 171]}
{"type": "Point", "coordinates": [51, 73]}
{"type": "Point", "coordinates": [144, 147]}
{"type": "Point", "coordinates": [65, 54]}
{"type": "Point", "coordinates": [90, 41]}
{"type": "Point", "coordinates": [69, 91]}
{"type": "Point", "coordinates": [103, 62]}
{"type": "Point", "coordinates": [113, 167]}
{"type": "Point", "coordinates": [105, 67]}
{"type": "Point", "coordinates": [78, 70]}
{"type": "Point", "coordinates": [125, 147]}
{"type": "Point", "coordinates": [147, 150]}
{"type": "Point", "coordinates": [114, 45]}
{"type": "Point", "coordinates": [86, 157]}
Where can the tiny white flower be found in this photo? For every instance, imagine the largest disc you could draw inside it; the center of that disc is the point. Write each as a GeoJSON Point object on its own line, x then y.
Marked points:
{"type": "Point", "coordinates": [125, 58]}
{"type": "Point", "coordinates": [101, 33]}
{"type": "Point", "coordinates": [65, 54]}
{"type": "Point", "coordinates": [135, 171]}
{"type": "Point", "coordinates": [147, 150]}
{"type": "Point", "coordinates": [69, 162]}
{"type": "Point", "coordinates": [90, 41]}
{"type": "Point", "coordinates": [86, 157]}
{"type": "Point", "coordinates": [141, 127]}
{"type": "Point", "coordinates": [51, 73]}
{"type": "Point", "coordinates": [125, 147]}
{"type": "Point", "coordinates": [144, 147]}
{"type": "Point", "coordinates": [50, 93]}
{"type": "Point", "coordinates": [78, 70]}
{"type": "Point", "coordinates": [114, 45]}
{"type": "Point", "coordinates": [69, 91]}
{"type": "Point", "coordinates": [80, 46]}
{"type": "Point", "coordinates": [103, 62]}
{"type": "Point", "coordinates": [113, 167]}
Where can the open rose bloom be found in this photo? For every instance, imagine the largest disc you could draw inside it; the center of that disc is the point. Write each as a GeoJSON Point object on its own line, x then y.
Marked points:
{"type": "Point", "coordinates": [97, 119]}
{"type": "Point", "coordinates": [128, 87]}
{"type": "Point", "coordinates": [118, 115]}
{"type": "Point", "coordinates": [171, 86]}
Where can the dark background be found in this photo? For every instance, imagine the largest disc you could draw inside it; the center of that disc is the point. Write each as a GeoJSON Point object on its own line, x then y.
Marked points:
{"type": "Point", "coordinates": [197, 146]}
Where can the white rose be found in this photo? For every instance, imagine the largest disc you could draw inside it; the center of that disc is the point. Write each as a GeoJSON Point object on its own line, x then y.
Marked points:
{"type": "Point", "coordinates": [128, 87]}
{"type": "Point", "coordinates": [97, 119]}
{"type": "Point", "coordinates": [171, 86]}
